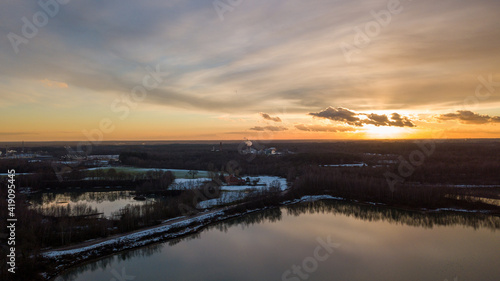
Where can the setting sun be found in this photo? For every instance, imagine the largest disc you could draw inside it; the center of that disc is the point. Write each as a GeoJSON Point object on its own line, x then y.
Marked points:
{"type": "Point", "coordinates": [379, 132]}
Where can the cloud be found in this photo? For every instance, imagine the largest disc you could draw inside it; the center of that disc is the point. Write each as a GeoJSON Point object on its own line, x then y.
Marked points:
{"type": "Point", "coordinates": [339, 114]}
{"type": "Point", "coordinates": [469, 117]}
{"type": "Point", "coordinates": [268, 117]}
{"type": "Point", "coordinates": [401, 121]}
{"type": "Point", "coordinates": [383, 120]}
{"type": "Point", "coordinates": [17, 133]}
{"type": "Point", "coordinates": [352, 118]}
{"type": "Point", "coordinates": [269, 128]}
{"type": "Point", "coordinates": [53, 84]}
{"type": "Point", "coordinates": [323, 128]}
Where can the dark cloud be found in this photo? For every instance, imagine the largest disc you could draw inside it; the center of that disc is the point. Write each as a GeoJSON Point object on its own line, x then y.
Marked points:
{"type": "Point", "coordinates": [469, 117]}
{"type": "Point", "coordinates": [383, 120]}
{"type": "Point", "coordinates": [401, 121]}
{"type": "Point", "coordinates": [269, 128]}
{"type": "Point", "coordinates": [268, 117]}
{"type": "Point", "coordinates": [322, 128]}
{"type": "Point", "coordinates": [378, 119]}
{"type": "Point", "coordinates": [339, 114]}
{"type": "Point", "coordinates": [352, 118]}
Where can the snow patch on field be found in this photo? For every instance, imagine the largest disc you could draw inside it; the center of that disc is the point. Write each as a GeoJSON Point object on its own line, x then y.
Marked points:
{"type": "Point", "coordinates": [264, 182]}
{"type": "Point", "coordinates": [225, 198]}
{"type": "Point", "coordinates": [182, 184]}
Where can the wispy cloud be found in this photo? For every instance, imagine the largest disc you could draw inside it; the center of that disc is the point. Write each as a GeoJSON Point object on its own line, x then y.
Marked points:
{"type": "Point", "coordinates": [269, 128]}
{"type": "Point", "coordinates": [323, 128]}
{"type": "Point", "coordinates": [268, 117]}
{"type": "Point", "coordinates": [18, 133]}
{"type": "Point", "coordinates": [105, 47]}
{"type": "Point", "coordinates": [53, 84]}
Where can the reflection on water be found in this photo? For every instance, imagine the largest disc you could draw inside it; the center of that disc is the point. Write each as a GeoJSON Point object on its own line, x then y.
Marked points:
{"type": "Point", "coordinates": [106, 202]}
{"type": "Point", "coordinates": [397, 216]}
{"type": "Point", "coordinates": [375, 244]}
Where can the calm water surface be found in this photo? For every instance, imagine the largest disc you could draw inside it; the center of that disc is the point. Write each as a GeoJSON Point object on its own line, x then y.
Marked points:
{"type": "Point", "coordinates": [373, 244]}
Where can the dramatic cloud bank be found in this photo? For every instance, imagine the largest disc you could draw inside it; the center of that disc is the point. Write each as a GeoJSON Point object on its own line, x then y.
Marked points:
{"type": "Point", "coordinates": [356, 119]}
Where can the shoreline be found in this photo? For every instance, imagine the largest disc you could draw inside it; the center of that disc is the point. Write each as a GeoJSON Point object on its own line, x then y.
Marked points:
{"type": "Point", "coordinates": [72, 255]}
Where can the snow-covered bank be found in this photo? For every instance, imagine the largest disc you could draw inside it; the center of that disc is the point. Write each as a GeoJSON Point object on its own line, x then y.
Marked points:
{"type": "Point", "coordinates": [136, 239]}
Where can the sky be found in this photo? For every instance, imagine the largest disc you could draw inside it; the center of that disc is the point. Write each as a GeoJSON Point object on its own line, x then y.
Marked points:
{"type": "Point", "coordinates": [73, 70]}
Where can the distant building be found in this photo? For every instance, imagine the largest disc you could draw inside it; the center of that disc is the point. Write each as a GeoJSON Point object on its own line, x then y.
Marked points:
{"type": "Point", "coordinates": [270, 151]}
{"type": "Point", "coordinates": [264, 151]}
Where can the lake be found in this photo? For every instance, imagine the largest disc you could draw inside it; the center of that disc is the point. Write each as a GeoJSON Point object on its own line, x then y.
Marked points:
{"type": "Point", "coordinates": [327, 240]}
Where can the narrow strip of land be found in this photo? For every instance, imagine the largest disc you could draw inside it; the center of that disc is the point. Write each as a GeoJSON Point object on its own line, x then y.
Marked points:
{"type": "Point", "coordinates": [115, 236]}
